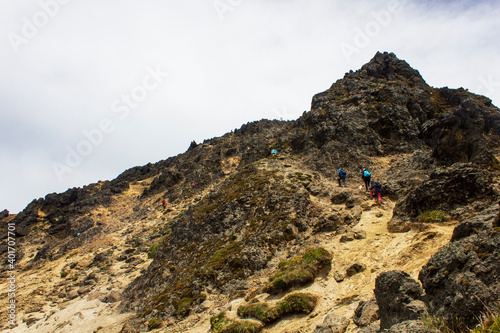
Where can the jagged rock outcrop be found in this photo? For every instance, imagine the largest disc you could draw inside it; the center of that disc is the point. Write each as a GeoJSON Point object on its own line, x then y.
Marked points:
{"type": "Point", "coordinates": [399, 297]}
{"type": "Point", "coordinates": [446, 189]}
{"type": "Point", "coordinates": [4, 214]}
{"type": "Point", "coordinates": [461, 279]}
{"type": "Point", "coordinates": [366, 313]}
{"type": "Point", "coordinates": [463, 133]}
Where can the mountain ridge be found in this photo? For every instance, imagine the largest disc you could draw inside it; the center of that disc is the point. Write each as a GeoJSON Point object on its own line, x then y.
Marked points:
{"type": "Point", "coordinates": [234, 209]}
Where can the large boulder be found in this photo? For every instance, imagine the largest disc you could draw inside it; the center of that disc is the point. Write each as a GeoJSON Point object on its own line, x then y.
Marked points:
{"type": "Point", "coordinates": [399, 298]}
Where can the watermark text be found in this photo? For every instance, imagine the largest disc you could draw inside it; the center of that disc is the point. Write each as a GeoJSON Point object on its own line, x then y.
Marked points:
{"type": "Point", "coordinates": [30, 27]}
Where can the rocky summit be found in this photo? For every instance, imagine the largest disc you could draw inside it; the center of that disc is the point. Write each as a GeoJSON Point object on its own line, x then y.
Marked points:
{"type": "Point", "coordinates": [253, 232]}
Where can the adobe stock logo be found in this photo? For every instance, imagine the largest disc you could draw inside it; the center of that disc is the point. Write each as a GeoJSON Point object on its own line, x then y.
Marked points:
{"type": "Point", "coordinates": [225, 6]}
{"type": "Point", "coordinates": [487, 84]}
{"type": "Point", "coordinates": [122, 107]}
{"type": "Point", "coordinates": [31, 27]}
{"type": "Point", "coordinates": [363, 37]}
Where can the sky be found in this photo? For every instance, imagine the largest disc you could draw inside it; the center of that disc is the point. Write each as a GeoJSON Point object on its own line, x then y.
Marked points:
{"type": "Point", "coordinates": [91, 88]}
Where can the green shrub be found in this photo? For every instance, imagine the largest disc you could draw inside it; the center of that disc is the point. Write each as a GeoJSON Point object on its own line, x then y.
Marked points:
{"type": "Point", "coordinates": [299, 270]}
{"type": "Point", "coordinates": [63, 274]}
{"type": "Point", "coordinates": [294, 303]}
{"type": "Point", "coordinates": [154, 323]}
{"type": "Point", "coordinates": [183, 307]}
{"type": "Point", "coordinates": [432, 216]}
{"type": "Point", "coordinates": [260, 311]}
{"type": "Point", "coordinates": [298, 303]}
{"type": "Point", "coordinates": [76, 277]}
{"type": "Point", "coordinates": [221, 324]}
{"type": "Point", "coordinates": [300, 176]}
{"type": "Point", "coordinates": [218, 322]}
{"type": "Point", "coordinates": [490, 324]}
{"type": "Point", "coordinates": [152, 250]}
{"type": "Point", "coordinates": [436, 324]}
{"type": "Point", "coordinates": [242, 326]}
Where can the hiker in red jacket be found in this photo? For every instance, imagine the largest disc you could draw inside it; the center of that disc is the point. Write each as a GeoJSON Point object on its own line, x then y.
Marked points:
{"type": "Point", "coordinates": [376, 188]}
{"type": "Point", "coordinates": [164, 203]}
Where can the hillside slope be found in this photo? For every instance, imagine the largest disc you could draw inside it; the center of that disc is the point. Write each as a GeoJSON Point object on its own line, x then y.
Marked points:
{"type": "Point", "coordinates": [108, 257]}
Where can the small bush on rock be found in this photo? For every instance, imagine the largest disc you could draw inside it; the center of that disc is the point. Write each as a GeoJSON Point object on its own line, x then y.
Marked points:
{"type": "Point", "coordinates": [299, 270]}
{"type": "Point", "coordinates": [432, 216]}
{"type": "Point", "coordinates": [221, 324]}
{"type": "Point", "coordinates": [294, 303]}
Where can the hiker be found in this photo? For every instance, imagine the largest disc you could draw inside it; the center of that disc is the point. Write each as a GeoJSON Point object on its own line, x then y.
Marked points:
{"type": "Point", "coordinates": [376, 188]}
{"type": "Point", "coordinates": [342, 176]}
{"type": "Point", "coordinates": [366, 176]}
{"type": "Point", "coordinates": [164, 203]}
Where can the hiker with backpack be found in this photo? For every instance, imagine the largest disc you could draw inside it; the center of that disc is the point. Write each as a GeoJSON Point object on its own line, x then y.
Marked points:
{"type": "Point", "coordinates": [366, 176]}
{"type": "Point", "coordinates": [342, 176]}
{"type": "Point", "coordinates": [376, 188]}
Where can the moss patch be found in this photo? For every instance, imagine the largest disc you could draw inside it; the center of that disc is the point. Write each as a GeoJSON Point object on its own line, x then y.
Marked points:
{"type": "Point", "coordinates": [292, 304]}
{"type": "Point", "coordinates": [152, 250]}
{"type": "Point", "coordinates": [154, 323]}
{"type": "Point", "coordinates": [183, 306]}
{"type": "Point", "coordinates": [432, 216]}
{"type": "Point", "coordinates": [299, 270]}
{"type": "Point", "coordinates": [221, 324]}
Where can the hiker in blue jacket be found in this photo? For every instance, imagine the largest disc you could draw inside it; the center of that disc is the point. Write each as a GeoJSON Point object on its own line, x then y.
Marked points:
{"type": "Point", "coordinates": [366, 176]}
{"type": "Point", "coordinates": [342, 176]}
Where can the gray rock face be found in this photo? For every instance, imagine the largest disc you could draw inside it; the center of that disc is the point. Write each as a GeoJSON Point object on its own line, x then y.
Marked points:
{"type": "Point", "coordinates": [366, 313]}
{"type": "Point", "coordinates": [72, 294]}
{"type": "Point", "coordinates": [459, 135]}
{"type": "Point", "coordinates": [333, 324]}
{"type": "Point", "coordinates": [462, 277]}
{"type": "Point", "coordinates": [359, 234]}
{"type": "Point", "coordinates": [399, 298]}
{"type": "Point", "coordinates": [339, 276]}
{"type": "Point", "coordinates": [348, 237]}
{"type": "Point", "coordinates": [372, 328]}
{"type": "Point", "coordinates": [460, 182]}
{"type": "Point", "coordinates": [411, 326]}
{"type": "Point", "coordinates": [355, 268]}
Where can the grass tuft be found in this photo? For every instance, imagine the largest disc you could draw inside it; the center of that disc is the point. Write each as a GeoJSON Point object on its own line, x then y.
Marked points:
{"type": "Point", "coordinates": [299, 270]}
{"type": "Point", "coordinates": [294, 303]}
{"type": "Point", "coordinates": [221, 324]}
{"type": "Point", "coordinates": [154, 323]}
{"type": "Point", "coordinates": [152, 250]}
{"type": "Point", "coordinates": [432, 216]}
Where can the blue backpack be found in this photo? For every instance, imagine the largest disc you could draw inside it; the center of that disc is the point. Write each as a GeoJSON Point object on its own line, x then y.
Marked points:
{"type": "Point", "coordinates": [366, 174]}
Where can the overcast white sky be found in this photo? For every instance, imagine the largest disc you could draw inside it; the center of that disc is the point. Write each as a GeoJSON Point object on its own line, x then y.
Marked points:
{"type": "Point", "coordinates": [90, 88]}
